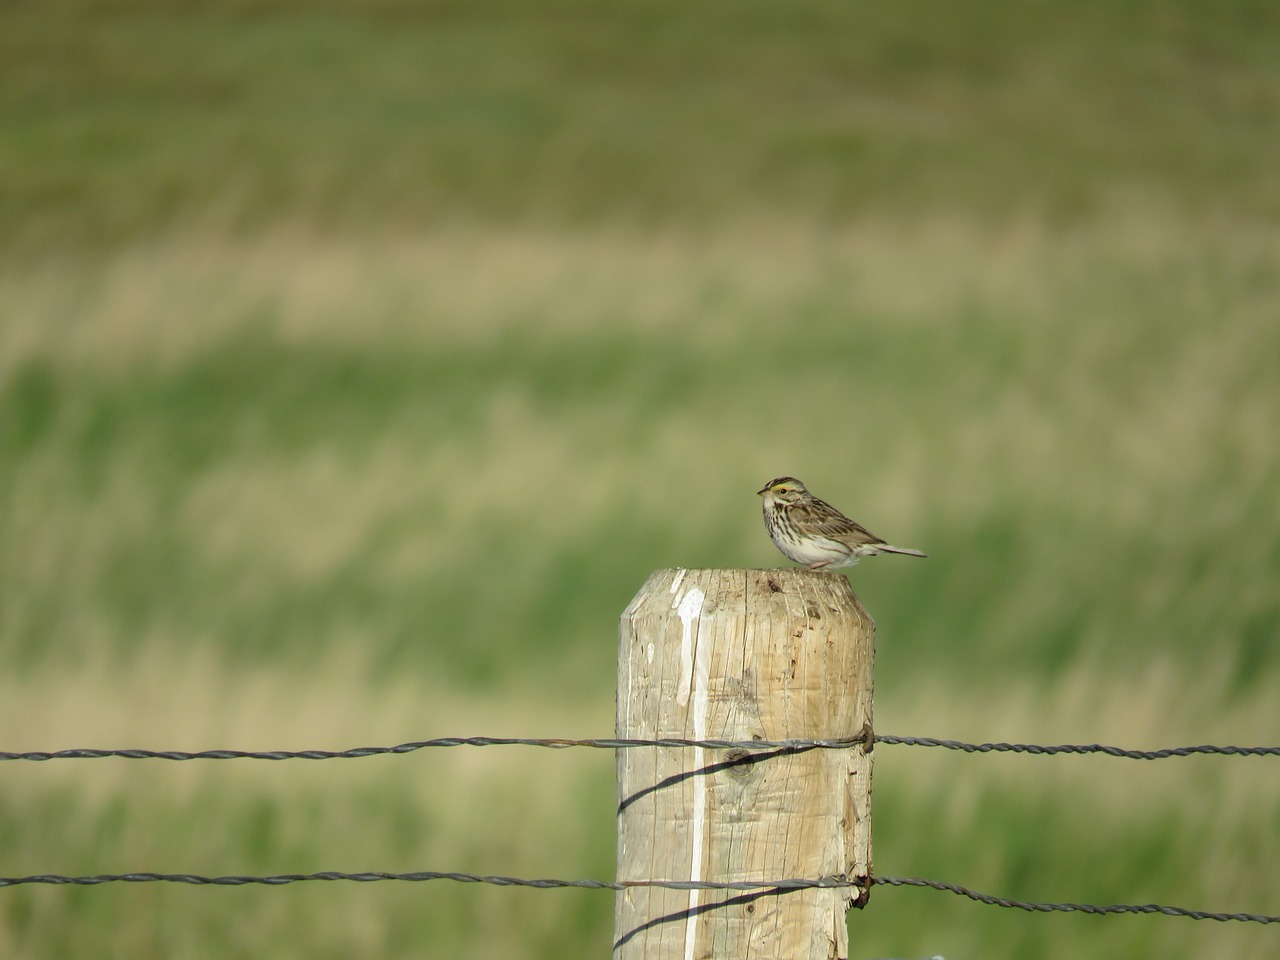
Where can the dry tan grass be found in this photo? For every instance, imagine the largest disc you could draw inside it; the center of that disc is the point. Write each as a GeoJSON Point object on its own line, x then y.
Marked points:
{"type": "Point", "coordinates": [167, 700]}
{"type": "Point", "coordinates": [167, 302]}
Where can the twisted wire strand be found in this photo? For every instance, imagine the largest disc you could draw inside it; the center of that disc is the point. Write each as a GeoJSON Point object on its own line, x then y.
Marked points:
{"type": "Point", "coordinates": [421, 876]}
{"type": "Point", "coordinates": [840, 743]}
{"type": "Point", "coordinates": [843, 743]}
{"type": "Point", "coordinates": [786, 884]}
{"type": "Point", "coordinates": [1113, 908]}
{"type": "Point", "coordinates": [1081, 748]}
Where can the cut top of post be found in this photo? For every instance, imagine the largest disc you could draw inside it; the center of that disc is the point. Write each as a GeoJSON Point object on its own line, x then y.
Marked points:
{"type": "Point", "coordinates": [808, 628]}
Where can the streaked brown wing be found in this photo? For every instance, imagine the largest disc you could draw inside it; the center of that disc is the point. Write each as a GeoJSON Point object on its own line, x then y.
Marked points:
{"type": "Point", "coordinates": [830, 522]}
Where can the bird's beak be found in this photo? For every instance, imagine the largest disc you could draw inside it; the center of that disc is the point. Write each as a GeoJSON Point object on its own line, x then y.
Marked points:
{"type": "Point", "coordinates": [761, 493]}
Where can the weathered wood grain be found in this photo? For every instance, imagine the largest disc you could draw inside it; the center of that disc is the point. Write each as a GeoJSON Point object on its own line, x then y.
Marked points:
{"type": "Point", "coordinates": [742, 655]}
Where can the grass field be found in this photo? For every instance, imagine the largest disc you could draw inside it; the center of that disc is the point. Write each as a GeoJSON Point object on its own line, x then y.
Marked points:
{"type": "Point", "coordinates": [357, 365]}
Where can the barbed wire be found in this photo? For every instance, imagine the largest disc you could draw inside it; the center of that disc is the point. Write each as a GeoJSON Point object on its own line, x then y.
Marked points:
{"type": "Point", "coordinates": [545, 884]}
{"type": "Point", "coordinates": [793, 745]}
{"type": "Point", "coordinates": [798, 745]}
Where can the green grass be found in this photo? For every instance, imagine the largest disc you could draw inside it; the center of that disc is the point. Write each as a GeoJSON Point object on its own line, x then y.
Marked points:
{"type": "Point", "coordinates": [357, 365]}
{"type": "Point", "coordinates": [124, 118]}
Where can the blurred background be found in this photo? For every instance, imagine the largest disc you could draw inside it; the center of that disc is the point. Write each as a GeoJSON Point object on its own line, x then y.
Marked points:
{"type": "Point", "coordinates": [359, 361]}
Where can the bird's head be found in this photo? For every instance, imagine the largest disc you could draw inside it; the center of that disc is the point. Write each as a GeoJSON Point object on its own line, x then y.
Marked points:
{"type": "Point", "coordinates": [783, 490]}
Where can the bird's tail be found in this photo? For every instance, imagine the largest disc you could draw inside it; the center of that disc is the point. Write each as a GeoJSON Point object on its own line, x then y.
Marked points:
{"type": "Point", "coordinates": [889, 548]}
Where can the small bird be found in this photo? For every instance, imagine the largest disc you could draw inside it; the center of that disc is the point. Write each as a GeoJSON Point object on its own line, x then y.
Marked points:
{"type": "Point", "coordinates": [813, 532]}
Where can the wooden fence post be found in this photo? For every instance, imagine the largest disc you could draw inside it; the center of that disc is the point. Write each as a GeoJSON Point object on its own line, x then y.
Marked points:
{"type": "Point", "coordinates": [742, 655]}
